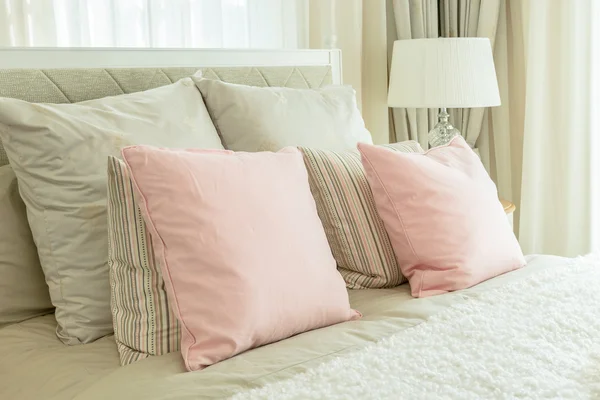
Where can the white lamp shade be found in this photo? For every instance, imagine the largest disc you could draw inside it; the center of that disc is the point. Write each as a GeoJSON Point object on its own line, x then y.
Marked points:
{"type": "Point", "coordinates": [444, 72]}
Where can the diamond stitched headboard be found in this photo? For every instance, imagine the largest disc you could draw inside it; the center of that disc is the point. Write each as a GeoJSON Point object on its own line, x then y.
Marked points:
{"type": "Point", "coordinates": [74, 85]}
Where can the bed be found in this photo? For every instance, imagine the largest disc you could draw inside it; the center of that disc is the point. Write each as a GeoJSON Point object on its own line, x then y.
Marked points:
{"type": "Point", "coordinates": [331, 362]}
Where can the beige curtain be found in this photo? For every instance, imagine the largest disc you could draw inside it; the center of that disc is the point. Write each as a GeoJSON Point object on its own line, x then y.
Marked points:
{"type": "Point", "coordinates": [447, 18]}
{"type": "Point", "coordinates": [411, 19]}
{"type": "Point", "coordinates": [501, 140]}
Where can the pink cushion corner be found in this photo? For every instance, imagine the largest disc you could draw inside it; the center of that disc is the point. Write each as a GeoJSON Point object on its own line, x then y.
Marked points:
{"type": "Point", "coordinates": [243, 253]}
{"type": "Point", "coordinates": [442, 213]}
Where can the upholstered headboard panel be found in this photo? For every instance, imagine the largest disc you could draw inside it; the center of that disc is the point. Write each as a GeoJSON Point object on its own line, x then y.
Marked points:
{"type": "Point", "coordinates": [74, 85]}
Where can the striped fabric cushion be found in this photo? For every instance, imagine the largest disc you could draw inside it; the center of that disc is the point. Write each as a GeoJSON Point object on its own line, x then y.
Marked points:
{"type": "Point", "coordinates": [143, 321]}
{"type": "Point", "coordinates": [356, 234]}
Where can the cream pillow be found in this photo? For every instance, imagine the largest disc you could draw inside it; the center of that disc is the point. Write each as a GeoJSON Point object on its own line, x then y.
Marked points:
{"type": "Point", "coordinates": [252, 118]}
{"type": "Point", "coordinates": [59, 153]}
{"type": "Point", "coordinates": [23, 292]}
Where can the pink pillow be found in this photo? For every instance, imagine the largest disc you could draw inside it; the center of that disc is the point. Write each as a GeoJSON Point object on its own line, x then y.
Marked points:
{"type": "Point", "coordinates": [442, 214]}
{"type": "Point", "coordinates": [242, 251]}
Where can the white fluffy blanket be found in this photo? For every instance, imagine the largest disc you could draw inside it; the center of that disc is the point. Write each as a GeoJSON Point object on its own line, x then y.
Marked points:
{"type": "Point", "coordinates": [538, 338]}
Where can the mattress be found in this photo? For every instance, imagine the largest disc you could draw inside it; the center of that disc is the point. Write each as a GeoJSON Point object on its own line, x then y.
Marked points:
{"type": "Point", "coordinates": [36, 365]}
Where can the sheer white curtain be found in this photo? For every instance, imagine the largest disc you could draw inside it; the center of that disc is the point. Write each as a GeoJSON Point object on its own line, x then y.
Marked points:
{"type": "Point", "coordinates": [155, 23]}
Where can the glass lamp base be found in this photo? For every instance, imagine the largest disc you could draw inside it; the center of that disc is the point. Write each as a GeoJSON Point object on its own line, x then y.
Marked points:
{"type": "Point", "coordinates": [443, 132]}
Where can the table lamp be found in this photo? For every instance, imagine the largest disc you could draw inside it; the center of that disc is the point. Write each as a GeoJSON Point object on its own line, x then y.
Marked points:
{"type": "Point", "coordinates": [443, 73]}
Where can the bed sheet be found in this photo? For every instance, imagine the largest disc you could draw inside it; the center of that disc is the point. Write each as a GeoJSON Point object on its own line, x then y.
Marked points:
{"type": "Point", "coordinates": [34, 364]}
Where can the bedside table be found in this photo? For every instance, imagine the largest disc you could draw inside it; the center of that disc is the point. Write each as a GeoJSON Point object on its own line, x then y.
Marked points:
{"type": "Point", "coordinates": [509, 209]}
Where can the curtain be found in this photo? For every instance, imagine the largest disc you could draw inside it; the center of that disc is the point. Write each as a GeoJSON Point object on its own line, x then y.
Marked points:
{"type": "Point", "coordinates": [154, 23]}
{"type": "Point", "coordinates": [543, 145]}
{"type": "Point", "coordinates": [546, 145]}
{"type": "Point", "coordinates": [501, 139]}
{"type": "Point", "coordinates": [415, 19]}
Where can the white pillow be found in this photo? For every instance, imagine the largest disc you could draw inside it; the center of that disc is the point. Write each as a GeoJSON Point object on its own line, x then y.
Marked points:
{"type": "Point", "coordinates": [59, 153]}
{"type": "Point", "coordinates": [252, 118]}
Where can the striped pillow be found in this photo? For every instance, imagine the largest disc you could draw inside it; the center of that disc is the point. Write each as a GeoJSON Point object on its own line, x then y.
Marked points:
{"type": "Point", "coordinates": [355, 232]}
{"type": "Point", "coordinates": [143, 322]}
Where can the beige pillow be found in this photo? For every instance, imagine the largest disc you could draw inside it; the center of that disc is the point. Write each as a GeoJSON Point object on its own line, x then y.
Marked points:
{"type": "Point", "coordinates": [251, 118]}
{"type": "Point", "coordinates": [23, 292]}
{"type": "Point", "coordinates": [59, 153]}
